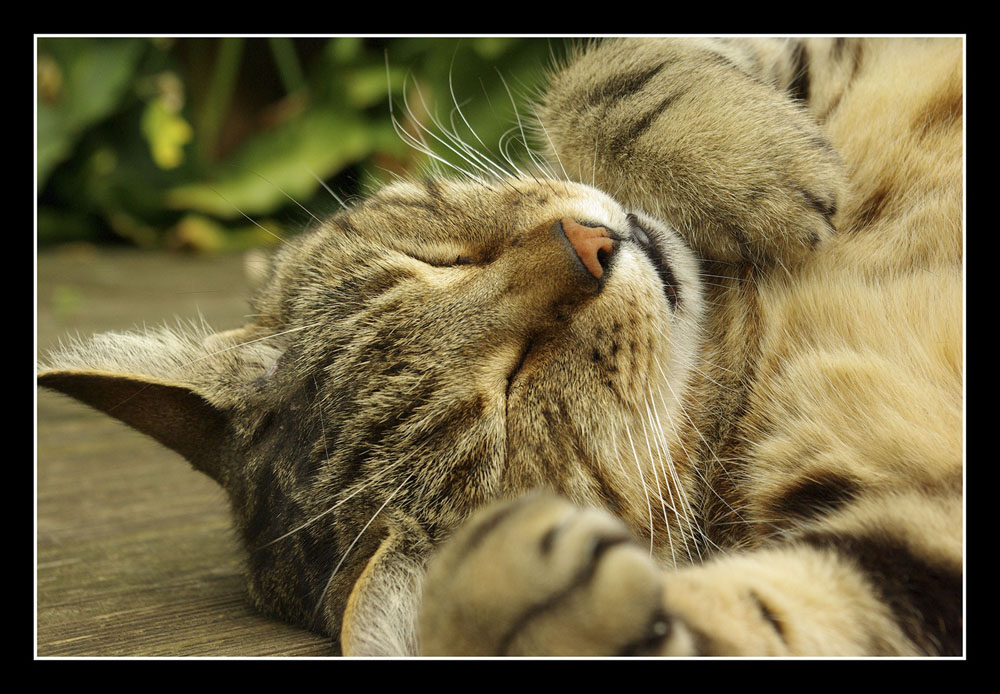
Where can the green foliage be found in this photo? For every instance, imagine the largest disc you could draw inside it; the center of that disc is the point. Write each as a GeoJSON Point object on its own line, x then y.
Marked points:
{"type": "Point", "coordinates": [214, 144]}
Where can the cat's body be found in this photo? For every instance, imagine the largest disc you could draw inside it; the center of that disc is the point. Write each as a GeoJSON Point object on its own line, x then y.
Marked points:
{"type": "Point", "coordinates": [765, 387]}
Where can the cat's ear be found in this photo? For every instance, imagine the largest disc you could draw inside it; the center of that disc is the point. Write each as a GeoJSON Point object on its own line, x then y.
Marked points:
{"type": "Point", "coordinates": [381, 614]}
{"type": "Point", "coordinates": [177, 386]}
{"type": "Point", "coordinates": [172, 413]}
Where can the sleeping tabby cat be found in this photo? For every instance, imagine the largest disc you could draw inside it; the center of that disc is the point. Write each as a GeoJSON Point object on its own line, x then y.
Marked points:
{"type": "Point", "coordinates": [695, 388]}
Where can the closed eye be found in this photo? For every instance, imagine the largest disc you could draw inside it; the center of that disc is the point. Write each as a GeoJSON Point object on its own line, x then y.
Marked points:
{"type": "Point", "coordinates": [450, 261]}
{"type": "Point", "coordinates": [660, 262]}
{"type": "Point", "coordinates": [638, 233]}
{"type": "Point", "coordinates": [440, 254]}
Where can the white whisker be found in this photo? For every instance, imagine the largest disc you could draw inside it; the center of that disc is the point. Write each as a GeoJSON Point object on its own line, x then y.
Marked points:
{"type": "Point", "coordinates": [517, 115]}
{"type": "Point", "coordinates": [697, 431]}
{"type": "Point", "coordinates": [659, 494]}
{"type": "Point", "coordinates": [319, 602]}
{"type": "Point", "coordinates": [328, 189]}
{"type": "Point", "coordinates": [424, 129]}
{"type": "Point", "coordinates": [693, 527]}
{"type": "Point", "coordinates": [552, 146]}
{"type": "Point", "coordinates": [279, 189]}
{"type": "Point", "coordinates": [248, 217]}
{"type": "Point", "coordinates": [642, 481]}
{"type": "Point", "coordinates": [250, 342]}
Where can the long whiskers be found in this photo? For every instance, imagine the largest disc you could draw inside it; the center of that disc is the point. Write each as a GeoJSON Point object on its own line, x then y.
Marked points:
{"type": "Point", "coordinates": [458, 109]}
{"type": "Point", "coordinates": [418, 142]}
{"type": "Point", "coordinates": [520, 124]}
{"type": "Point", "coordinates": [329, 582]}
{"type": "Point", "coordinates": [701, 436]}
{"type": "Point", "coordinates": [642, 482]}
{"type": "Point", "coordinates": [250, 342]}
{"type": "Point", "coordinates": [248, 217]}
{"type": "Point", "coordinates": [552, 146]}
{"type": "Point", "coordinates": [280, 190]}
{"type": "Point", "coordinates": [693, 527]}
{"type": "Point", "coordinates": [329, 190]}
{"type": "Point", "coordinates": [360, 488]}
{"type": "Point", "coordinates": [659, 494]}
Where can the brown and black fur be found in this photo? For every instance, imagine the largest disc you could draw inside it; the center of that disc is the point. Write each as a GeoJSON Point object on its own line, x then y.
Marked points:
{"type": "Point", "coordinates": [779, 323]}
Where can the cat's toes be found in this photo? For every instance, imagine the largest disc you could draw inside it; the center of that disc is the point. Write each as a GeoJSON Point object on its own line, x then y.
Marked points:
{"type": "Point", "coordinates": [540, 576]}
{"type": "Point", "coordinates": [791, 222]}
{"type": "Point", "coordinates": [781, 213]}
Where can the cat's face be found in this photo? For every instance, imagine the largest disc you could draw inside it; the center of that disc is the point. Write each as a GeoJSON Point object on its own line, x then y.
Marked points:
{"type": "Point", "coordinates": [451, 346]}
{"type": "Point", "coordinates": [435, 347]}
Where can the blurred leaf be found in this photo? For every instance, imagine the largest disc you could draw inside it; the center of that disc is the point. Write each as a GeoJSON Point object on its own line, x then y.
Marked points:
{"type": "Point", "coordinates": [196, 232]}
{"type": "Point", "coordinates": [279, 165]}
{"type": "Point", "coordinates": [283, 50]}
{"type": "Point", "coordinates": [167, 133]}
{"type": "Point", "coordinates": [367, 86]}
{"type": "Point", "coordinates": [345, 50]}
{"type": "Point", "coordinates": [491, 47]}
{"type": "Point", "coordinates": [116, 161]}
{"type": "Point", "coordinates": [133, 228]}
{"type": "Point", "coordinates": [225, 71]}
{"type": "Point", "coordinates": [203, 234]}
{"type": "Point", "coordinates": [93, 76]}
{"type": "Point", "coordinates": [61, 226]}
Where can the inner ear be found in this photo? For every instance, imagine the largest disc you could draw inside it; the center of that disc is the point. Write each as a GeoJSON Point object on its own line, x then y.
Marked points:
{"type": "Point", "coordinates": [173, 414]}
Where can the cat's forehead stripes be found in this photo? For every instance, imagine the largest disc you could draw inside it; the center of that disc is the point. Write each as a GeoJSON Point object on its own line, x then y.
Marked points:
{"type": "Point", "coordinates": [441, 209]}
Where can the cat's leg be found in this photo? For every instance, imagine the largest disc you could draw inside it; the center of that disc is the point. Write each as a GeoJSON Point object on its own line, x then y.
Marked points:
{"type": "Point", "coordinates": [541, 577]}
{"type": "Point", "coordinates": [711, 136]}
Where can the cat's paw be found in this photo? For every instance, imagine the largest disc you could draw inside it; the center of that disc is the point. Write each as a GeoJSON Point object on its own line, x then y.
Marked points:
{"type": "Point", "coordinates": [539, 576]}
{"type": "Point", "coordinates": [768, 190]}
{"type": "Point", "coordinates": [674, 129]}
{"type": "Point", "coordinates": [776, 200]}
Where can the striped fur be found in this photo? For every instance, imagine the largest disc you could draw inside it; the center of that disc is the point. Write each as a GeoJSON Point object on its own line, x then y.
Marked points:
{"type": "Point", "coordinates": [744, 437]}
{"type": "Point", "coordinates": [821, 182]}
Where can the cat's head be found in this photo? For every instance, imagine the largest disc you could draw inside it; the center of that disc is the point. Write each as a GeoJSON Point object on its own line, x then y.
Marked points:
{"type": "Point", "coordinates": [437, 346]}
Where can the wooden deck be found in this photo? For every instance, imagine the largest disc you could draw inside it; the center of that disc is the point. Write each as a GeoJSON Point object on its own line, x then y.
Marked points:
{"type": "Point", "coordinates": [135, 550]}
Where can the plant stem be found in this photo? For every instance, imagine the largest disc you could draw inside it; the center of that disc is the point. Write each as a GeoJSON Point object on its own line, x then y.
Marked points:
{"type": "Point", "coordinates": [287, 61]}
{"type": "Point", "coordinates": [224, 74]}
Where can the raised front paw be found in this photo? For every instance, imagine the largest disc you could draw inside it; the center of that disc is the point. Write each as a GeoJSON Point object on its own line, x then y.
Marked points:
{"type": "Point", "coordinates": [678, 130]}
{"type": "Point", "coordinates": [539, 576]}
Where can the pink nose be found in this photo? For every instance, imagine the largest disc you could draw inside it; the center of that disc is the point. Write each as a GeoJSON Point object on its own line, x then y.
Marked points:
{"type": "Point", "coordinates": [592, 244]}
